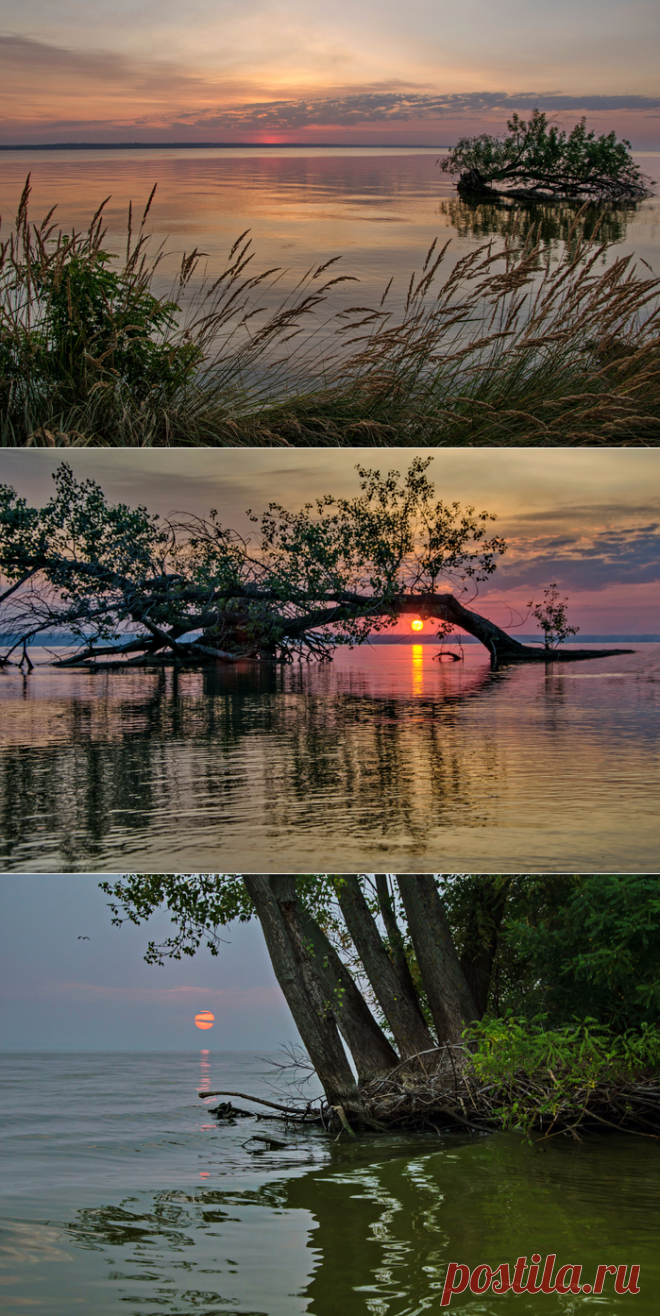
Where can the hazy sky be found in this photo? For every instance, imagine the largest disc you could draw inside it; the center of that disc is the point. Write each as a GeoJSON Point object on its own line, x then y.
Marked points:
{"type": "Point", "coordinates": [57, 992]}
{"type": "Point", "coordinates": [287, 70]}
{"type": "Point", "coordinates": [588, 520]}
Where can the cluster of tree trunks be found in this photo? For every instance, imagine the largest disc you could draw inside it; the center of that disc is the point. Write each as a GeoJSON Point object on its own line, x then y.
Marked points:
{"type": "Point", "coordinates": [327, 1005]}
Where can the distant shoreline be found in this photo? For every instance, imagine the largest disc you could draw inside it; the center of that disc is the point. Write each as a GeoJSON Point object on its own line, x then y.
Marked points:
{"type": "Point", "coordinates": [524, 639]}
{"type": "Point", "coordinates": [222, 146]}
{"type": "Point", "coordinates": [69, 641]}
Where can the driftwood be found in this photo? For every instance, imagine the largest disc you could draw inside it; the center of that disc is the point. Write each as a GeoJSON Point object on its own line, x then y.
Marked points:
{"type": "Point", "coordinates": [291, 1113]}
{"type": "Point", "coordinates": [450, 1095]}
{"type": "Point", "coordinates": [454, 1094]}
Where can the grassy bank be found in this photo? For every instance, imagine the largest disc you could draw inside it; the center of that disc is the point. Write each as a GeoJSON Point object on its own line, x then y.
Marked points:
{"type": "Point", "coordinates": [508, 347]}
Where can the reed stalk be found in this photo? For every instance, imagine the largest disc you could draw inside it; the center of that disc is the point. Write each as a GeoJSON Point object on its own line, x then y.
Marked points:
{"type": "Point", "coordinates": [513, 345]}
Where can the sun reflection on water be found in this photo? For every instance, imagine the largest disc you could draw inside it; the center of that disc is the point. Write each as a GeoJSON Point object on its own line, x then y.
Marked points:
{"type": "Point", "coordinates": [417, 669]}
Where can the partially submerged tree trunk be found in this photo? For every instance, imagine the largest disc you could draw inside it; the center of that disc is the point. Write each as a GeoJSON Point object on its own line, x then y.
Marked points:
{"type": "Point", "coordinates": [448, 993]}
{"type": "Point", "coordinates": [163, 647]}
{"type": "Point", "coordinates": [473, 186]}
{"type": "Point", "coordinates": [276, 905]}
{"type": "Point", "coordinates": [501, 647]}
{"type": "Point", "coordinates": [409, 1030]}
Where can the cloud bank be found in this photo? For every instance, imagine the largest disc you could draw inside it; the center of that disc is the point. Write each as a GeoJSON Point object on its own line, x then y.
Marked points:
{"type": "Point", "coordinates": [628, 555]}
{"type": "Point", "coordinates": [107, 93]}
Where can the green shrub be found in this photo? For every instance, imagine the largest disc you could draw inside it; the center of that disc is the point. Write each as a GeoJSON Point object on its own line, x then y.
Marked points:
{"type": "Point", "coordinates": [542, 1075]}
{"type": "Point", "coordinates": [71, 325]}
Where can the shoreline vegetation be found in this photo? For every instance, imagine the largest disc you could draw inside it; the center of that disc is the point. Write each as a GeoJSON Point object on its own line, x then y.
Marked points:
{"type": "Point", "coordinates": [508, 1075]}
{"type": "Point", "coordinates": [518, 343]}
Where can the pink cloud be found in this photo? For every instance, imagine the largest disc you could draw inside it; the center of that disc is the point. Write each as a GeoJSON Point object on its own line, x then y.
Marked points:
{"type": "Point", "coordinates": [229, 998]}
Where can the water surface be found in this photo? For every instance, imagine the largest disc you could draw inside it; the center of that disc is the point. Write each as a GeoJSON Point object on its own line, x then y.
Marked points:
{"type": "Point", "coordinates": [379, 210]}
{"type": "Point", "coordinates": [121, 1194]}
{"type": "Point", "coordinates": [384, 760]}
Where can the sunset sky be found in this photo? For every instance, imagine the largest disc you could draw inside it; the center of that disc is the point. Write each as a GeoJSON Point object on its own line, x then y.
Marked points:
{"type": "Point", "coordinates": [287, 71]}
{"type": "Point", "coordinates": [61, 993]}
{"type": "Point", "coordinates": [589, 520]}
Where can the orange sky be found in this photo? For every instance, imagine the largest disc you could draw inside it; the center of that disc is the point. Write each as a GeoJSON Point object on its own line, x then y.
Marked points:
{"type": "Point", "coordinates": [284, 70]}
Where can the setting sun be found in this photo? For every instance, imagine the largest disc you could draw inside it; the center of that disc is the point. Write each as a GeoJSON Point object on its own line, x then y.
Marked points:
{"type": "Point", "coordinates": [204, 1019]}
{"type": "Point", "coordinates": [417, 625]}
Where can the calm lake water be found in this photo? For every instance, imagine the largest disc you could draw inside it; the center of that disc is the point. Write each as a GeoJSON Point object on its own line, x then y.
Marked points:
{"type": "Point", "coordinates": [121, 1194]}
{"type": "Point", "coordinates": [379, 210]}
{"type": "Point", "coordinates": [385, 760]}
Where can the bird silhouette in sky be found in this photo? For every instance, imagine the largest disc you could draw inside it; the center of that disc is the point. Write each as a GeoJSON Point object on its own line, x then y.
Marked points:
{"type": "Point", "coordinates": [83, 938]}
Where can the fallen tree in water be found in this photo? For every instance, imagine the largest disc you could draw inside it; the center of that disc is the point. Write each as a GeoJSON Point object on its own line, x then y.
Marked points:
{"type": "Point", "coordinates": [131, 588]}
{"type": "Point", "coordinates": [547, 163]}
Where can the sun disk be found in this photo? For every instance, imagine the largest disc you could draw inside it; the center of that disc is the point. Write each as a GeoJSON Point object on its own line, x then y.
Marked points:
{"type": "Point", "coordinates": [204, 1019]}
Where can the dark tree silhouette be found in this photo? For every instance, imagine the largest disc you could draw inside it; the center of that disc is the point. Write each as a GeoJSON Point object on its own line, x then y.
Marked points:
{"type": "Point", "coordinates": [536, 161]}
{"type": "Point", "coordinates": [128, 585]}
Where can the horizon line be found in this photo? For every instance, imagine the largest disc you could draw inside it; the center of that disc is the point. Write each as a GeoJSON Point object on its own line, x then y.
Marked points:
{"type": "Point", "coordinates": [198, 146]}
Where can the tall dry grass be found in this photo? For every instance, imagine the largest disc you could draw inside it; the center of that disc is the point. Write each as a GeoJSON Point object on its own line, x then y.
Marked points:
{"type": "Point", "coordinates": [512, 345]}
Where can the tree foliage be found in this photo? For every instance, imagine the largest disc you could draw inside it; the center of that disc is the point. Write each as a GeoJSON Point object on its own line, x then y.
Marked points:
{"type": "Point", "coordinates": [547, 161]}
{"type": "Point", "coordinates": [331, 572]}
{"type": "Point", "coordinates": [586, 947]}
{"type": "Point", "coordinates": [551, 617]}
{"type": "Point", "coordinates": [580, 947]}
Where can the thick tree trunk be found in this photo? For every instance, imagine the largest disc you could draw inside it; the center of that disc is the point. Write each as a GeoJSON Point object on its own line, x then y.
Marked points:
{"type": "Point", "coordinates": [276, 905]}
{"type": "Point", "coordinates": [501, 647]}
{"type": "Point", "coordinates": [410, 1032]}
{"type": "Point", "coordinates": [372, 1053]}
{"type": "Point", "coordinates": [484, 922]}
{"type": "Point", "coordinates": [397, 948]}
{"type": "Point", "coordinates": [449, 996]}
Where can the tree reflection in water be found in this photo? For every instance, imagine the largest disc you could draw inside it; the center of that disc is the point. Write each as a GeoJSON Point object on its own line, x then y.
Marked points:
{"type": "Point", "coordinates": [125, 762]}
{"type": "Point", "coordinates": [370, 1231]}
{"type": "Point", "coordinates": [551, 222]}
{"type": "Point", "coordinates": [359, 764]}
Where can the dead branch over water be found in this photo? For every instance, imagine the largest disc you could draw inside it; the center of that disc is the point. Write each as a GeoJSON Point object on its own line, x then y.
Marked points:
{"type": "Point", "coordinates": [439, 1090]}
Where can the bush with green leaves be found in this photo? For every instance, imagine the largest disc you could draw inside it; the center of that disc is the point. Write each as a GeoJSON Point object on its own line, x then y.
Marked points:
{"type": "Point", "coordinates": [547, 1076]}
{"type": "Point", "coordinates": [546, 160]}
{"type": "Point", "coordinates": [100, 327]}
{"type": "Point", "coordinates": [71, 325]}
